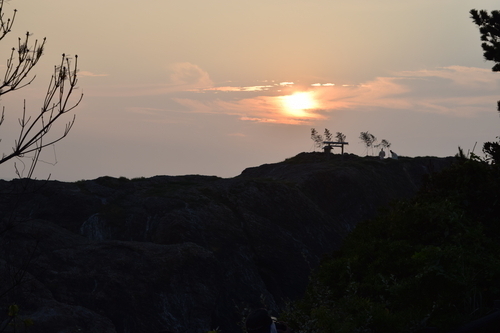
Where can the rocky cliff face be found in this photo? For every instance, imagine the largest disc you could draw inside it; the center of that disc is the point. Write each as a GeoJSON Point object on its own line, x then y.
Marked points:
{"type": "Point", "coordinates": [185, 253]}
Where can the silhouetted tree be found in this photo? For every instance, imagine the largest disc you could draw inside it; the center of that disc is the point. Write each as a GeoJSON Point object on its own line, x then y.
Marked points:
{"type": "Point", "coordinates": [489, 27]}
{"type": "Point", "coordinates": [317, 138]}
{"type": "Point", "coordinates": [492, 151]}
{"type": "Point", "coordinates": [36, 130]}
{"type": "Point", "coordinates": [384, 144]}
{"type": "Point", "coordinates": [328, 135]}
{"type": "Point", "coordinates": [340, 137]}
{"type": "Point", "coordinates": [368, 139]}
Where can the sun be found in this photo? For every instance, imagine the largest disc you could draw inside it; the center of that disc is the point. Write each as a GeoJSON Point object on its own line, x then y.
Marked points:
{"type": "Point", "coordinates": [297, 103]}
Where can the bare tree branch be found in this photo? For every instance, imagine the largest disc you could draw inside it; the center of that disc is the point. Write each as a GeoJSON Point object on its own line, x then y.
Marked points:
{"type": "Point", "coordinates": [35, 130]}
{"type": "Point", "coordinates": [57, 103]}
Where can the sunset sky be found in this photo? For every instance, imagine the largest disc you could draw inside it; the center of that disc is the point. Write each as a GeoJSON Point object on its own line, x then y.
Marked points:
{"type": "Point", "coordinates": [178, 87]}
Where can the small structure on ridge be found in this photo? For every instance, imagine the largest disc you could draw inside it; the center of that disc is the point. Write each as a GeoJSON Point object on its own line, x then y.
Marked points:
{"type": "Point", "coordinates": [332, 144]}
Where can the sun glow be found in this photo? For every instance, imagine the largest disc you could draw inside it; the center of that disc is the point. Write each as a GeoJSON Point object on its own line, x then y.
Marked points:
{"type": "Point", "coordinates": [298, 103]}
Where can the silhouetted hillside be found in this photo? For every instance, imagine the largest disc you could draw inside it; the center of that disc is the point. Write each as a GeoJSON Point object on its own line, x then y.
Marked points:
{"type": "Point", "coordinates": [187, 253]}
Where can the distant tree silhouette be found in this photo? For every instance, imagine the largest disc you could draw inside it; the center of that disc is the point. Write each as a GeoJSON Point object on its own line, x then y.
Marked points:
{"type": "Point", "coordinates": [317, 138]}
{"type": "Point", "coordinates": [340, 137]}
{"type": "Point", "coordinates": [368, 139]}
{"type": "Point", "coordinates": [492, 151]}
{"type": "Point", "coordinates": [489, 27]}
{"type": "Point", "coordinates": [36, 130]}
{"type": "Point", "coordinates": [328, 135]}
{"type": "Point", "coordinates": [384, 144]}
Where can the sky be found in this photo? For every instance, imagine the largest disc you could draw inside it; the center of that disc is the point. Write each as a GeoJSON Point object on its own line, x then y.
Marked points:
{"type": "Point", "coordinates": [178, 87]}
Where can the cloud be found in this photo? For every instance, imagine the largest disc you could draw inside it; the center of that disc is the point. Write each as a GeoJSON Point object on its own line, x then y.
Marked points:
{"type": "Point", "coordinates": [189, 75]}
{"type": "Point", "coordinates": [322, 85]}
{"type": "Point", "coordinates": [250, 88]}
{"type": "Point", "coordinates": [263, 109]}
{"type": "Point", "coordinates": [460, 75]}
{"type": "Point", "coordinates": [87, 73]}
{"type": "Point", "coordinates": [196, 106]}
{"type": "Point", "coordinates": [181, 77]}
{"type": "Point", "coordinates": [455, 90]}
{"type": "Point", "coordinates": [145, 110]}
{"type": "Point", "coordinates": [383, 92]}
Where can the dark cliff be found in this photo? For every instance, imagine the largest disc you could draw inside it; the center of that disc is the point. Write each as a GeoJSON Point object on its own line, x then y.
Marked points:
{"type": "Point", "coordinates": [185, 253]}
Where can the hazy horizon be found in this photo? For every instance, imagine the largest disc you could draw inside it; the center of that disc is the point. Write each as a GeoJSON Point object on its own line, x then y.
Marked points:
{"type": "Point", "coordinates": [211, 88]}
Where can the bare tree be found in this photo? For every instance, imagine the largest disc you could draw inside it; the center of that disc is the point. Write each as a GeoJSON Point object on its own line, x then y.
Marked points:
{"type": "Point", "coordinates": [317, 138]}
{"type": "Point", "coordinates": [384, 144]}
{"type": "Point", "coordinates": [340, 137]}
{"type": "Point", "coordinates": [328, 135]}
{"type": "Point", "coordinates": [36, 130]}
{"type": "Point", "coordinates": [368, 139]}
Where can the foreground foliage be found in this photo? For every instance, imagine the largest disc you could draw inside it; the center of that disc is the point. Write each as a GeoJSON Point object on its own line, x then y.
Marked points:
{"type": "Point", "coordinates": [433, 261]}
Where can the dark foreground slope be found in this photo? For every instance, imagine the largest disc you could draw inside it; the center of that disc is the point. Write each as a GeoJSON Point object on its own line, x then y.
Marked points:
{"type": "Point", "coordinates": [432, 261]}
{"type": "Point", "coordinates": [186, 253]}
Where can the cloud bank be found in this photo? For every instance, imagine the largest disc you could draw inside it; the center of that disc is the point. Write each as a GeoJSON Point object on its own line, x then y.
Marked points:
{"type": "Point", "coordinates": [455, 90]}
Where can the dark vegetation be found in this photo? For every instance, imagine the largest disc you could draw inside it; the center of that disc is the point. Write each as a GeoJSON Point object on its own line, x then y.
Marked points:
{"type": "Point", "coordinates": [432, 261]}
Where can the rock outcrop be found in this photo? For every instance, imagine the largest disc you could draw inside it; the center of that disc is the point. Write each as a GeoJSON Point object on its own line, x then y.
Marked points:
{"type": "Point", "coordinates": [185, 253]}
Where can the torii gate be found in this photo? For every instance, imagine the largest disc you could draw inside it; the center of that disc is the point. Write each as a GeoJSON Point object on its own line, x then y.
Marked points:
{"type": "Point", "coordinates": [331, 144]}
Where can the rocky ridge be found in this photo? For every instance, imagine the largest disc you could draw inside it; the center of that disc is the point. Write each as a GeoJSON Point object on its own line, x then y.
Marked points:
{"type": "Point", "coordinates": [185, 253]}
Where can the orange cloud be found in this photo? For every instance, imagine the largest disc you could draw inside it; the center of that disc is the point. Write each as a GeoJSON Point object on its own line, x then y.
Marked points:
{"type": "Point", "coordinates": [264, 109]}
{"type": "Point", "coordinates": [381, 92]}
{"type": "Point", "coordinates": [457, 90]}
{"type": "Point", "coordinates": [250, 88]}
